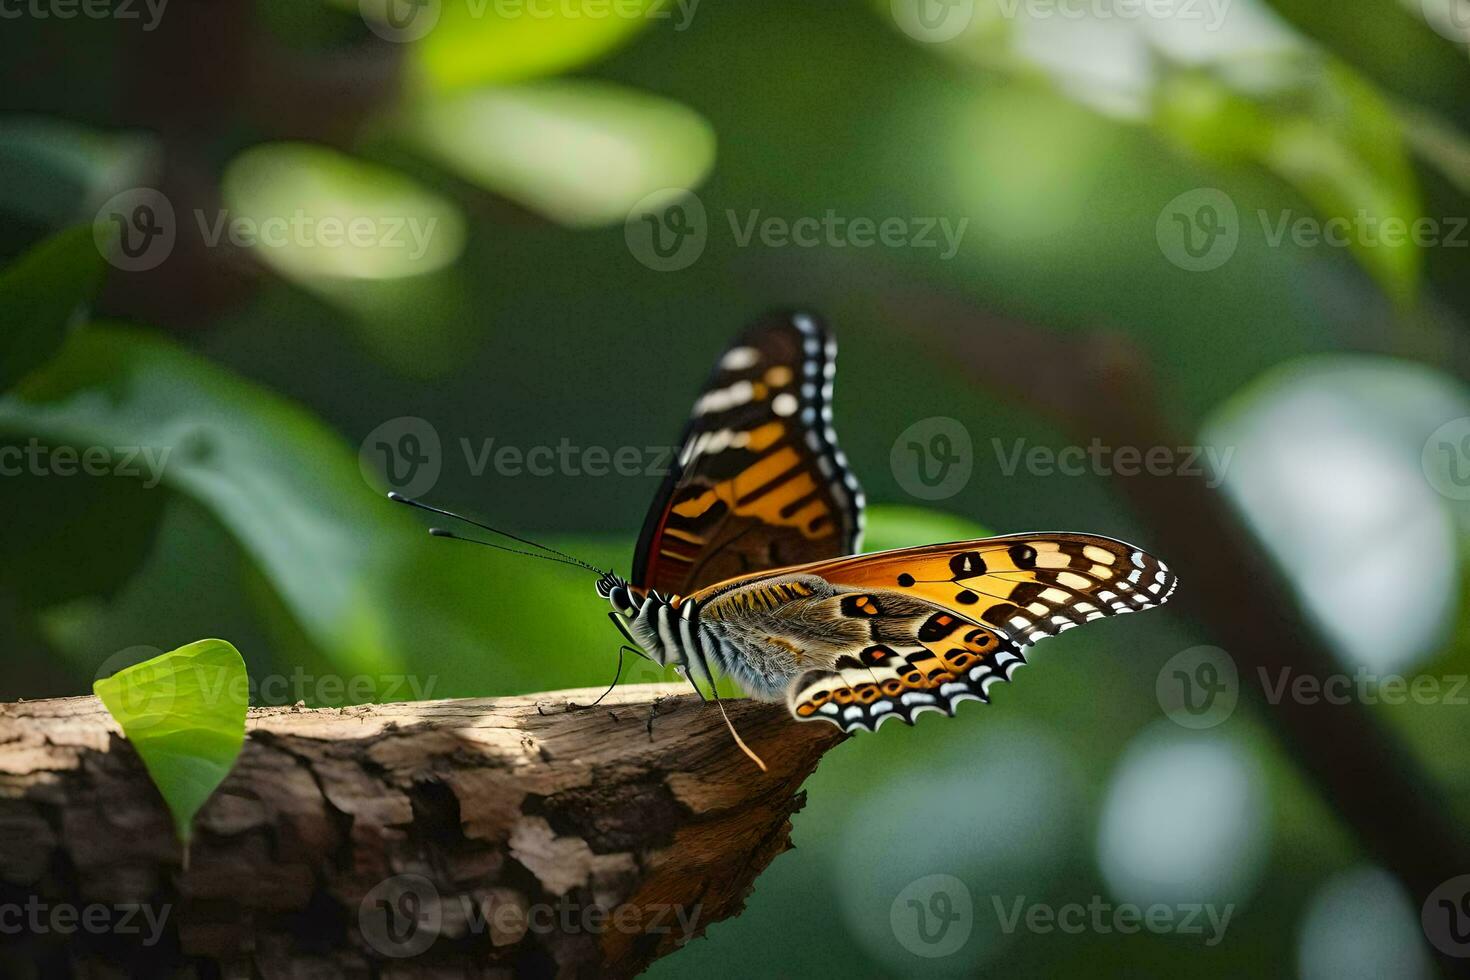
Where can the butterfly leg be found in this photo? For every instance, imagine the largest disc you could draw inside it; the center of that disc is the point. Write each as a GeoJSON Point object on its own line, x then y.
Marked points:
{"type": "Point", "coordinates": [616, 675]}
{"type": "Point", "coordinates": [653, 713]}
{"type": "Point", "coordinates": [684, 673]}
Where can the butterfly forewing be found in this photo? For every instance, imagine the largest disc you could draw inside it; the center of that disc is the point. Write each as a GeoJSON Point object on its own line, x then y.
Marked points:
{"type": "Point", "coordinates": [758, 482]}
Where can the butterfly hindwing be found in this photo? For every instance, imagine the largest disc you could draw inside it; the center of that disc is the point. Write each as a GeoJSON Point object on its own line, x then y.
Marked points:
{"type": "Point", "coordinates": [990, 599]}
{"type": "Point", "coordinates": [886, 681]}
{"type": "Point", "coordinates": [758, 482]}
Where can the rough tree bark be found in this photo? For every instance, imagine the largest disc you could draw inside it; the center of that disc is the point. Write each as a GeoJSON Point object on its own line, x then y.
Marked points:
{"type": "Point", "coordinates": [442, 838]}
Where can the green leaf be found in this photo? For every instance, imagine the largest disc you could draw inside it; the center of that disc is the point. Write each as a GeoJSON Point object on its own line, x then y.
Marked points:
{"type": "Point", "coordinates": [184, 712]}
{"type": "Point", "coordinates": [302, 199]}
{"type": "Point", "coordinates": [57, 172]}
{"type": "Point", "coordinates": [113, 522]}
{"type": "Point", "coordinates": [40, 293]}
{"type": "Point", "coordinates": [896, 526]}
{"type": "Point", "coordinates": [280, 482]}
{"type": "Point", "coordinates": [372, 593]}
{"type": "Point", "coordinates": [318, 216]}
{"type": "Point", "coordinates": [472, 44]}
{"type": "Point", "coordinates": [581, 153]}
{"type": "Point", "coordinates": [1327, 133]}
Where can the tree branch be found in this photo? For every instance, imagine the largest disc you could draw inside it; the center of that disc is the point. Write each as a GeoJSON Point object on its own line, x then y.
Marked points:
{"type": "Point", "coordinates": [505, 833]}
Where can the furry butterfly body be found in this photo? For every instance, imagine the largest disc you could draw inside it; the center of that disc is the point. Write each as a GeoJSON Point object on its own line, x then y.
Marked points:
{"type": "Point", "coordinates": [747, 563]}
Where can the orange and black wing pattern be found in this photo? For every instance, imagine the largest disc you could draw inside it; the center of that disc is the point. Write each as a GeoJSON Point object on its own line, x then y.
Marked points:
{"type": "Point", "coordinates": [992, 598]}
{"type": "Point", "coordinates": [759, 482]}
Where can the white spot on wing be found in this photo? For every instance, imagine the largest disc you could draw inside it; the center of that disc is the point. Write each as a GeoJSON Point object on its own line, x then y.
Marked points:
{"type": "Point", "coordinates": [740, 358]}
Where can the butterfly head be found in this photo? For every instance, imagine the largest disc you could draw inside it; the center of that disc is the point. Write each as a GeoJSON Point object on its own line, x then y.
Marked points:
{"type": "Point", "coordinates": [608, 583]}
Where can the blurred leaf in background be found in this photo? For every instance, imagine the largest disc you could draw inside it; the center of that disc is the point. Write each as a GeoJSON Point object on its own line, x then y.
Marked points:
{"type": "Point", "coordinates": [40, 293]}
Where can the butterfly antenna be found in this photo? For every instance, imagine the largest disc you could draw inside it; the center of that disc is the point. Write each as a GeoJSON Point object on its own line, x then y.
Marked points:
{"type": "Point", "coordinates": [399, 498]}
{"type": "Point", "coordinates": [736, 735]}
{"type": "Point", "coordinates": [440, 532]}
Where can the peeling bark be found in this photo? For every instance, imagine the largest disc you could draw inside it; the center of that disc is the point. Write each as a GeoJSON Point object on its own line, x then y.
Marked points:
{"type": "Point", "coordinates": [441, 838]}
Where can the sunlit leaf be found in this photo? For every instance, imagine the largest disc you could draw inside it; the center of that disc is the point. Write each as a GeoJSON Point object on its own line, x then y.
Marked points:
{"type": "Point", "coordinates": [184, 713]}
{"type": "Point", "coordinates": [476, 42]}
{"type": "Point", "coordinates": [1331, 461]}
{"type": "Point", "coordinates": [581, 153]}
{"type": "Point", "coordinates": [316, 215]}
{"type": "Point", "coordinates": [1329, 135]}
{"type": "Point", "coordinates": [39, 294]}
{"type": "Point", "coordinates": [1237, 86]}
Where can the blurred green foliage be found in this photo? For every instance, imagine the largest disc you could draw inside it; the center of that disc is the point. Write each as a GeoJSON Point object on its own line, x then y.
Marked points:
{"type": "Point", "coordinates": [263, 372]}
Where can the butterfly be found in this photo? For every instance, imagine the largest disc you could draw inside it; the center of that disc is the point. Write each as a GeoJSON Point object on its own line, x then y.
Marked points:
{"type": "Point", "coordinates": [748, 563]}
